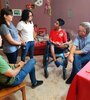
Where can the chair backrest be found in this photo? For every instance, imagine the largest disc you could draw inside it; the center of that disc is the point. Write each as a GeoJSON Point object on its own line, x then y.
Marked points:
{"type": "Point", "coordinates": [42, 31]}
{"type": "Point", "coordinates": [68, 36]}
{"type": "Point", "coordinates": [71, 35]}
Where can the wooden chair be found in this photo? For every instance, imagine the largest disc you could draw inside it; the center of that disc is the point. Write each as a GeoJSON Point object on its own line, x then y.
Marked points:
{"type": "Point", "coordinates": [7, 91]}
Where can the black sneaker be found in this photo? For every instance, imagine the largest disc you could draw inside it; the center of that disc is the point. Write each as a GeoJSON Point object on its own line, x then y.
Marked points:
{"type": "Point", "coordinates": [68, 81]}
{"type": "Point", "coordinates": [37, 84]}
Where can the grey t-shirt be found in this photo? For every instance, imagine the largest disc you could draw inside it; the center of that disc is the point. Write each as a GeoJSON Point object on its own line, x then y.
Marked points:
{"type": "Point", "coordinates": [4, 30]}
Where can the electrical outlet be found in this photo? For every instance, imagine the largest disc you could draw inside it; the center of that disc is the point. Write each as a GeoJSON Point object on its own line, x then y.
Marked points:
{"type": "Point", "coordinates": [69, 13]}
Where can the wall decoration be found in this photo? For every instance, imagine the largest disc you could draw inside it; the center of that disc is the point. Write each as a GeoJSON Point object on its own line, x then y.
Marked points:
{"type": "Point", "coordinates": [17, 12]}
{"type": "Point", "coordinates": [30, 6]}
{"type": "Point", "coordinates": [48, 7]}
{"type": "Point", "coordinates": [38, 2]}
{"type": "Point", "coordinates": [6, 3]}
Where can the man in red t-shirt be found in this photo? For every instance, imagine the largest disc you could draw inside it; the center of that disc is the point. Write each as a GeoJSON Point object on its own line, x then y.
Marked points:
{"type": "Point", "coordinates": [58, 38]}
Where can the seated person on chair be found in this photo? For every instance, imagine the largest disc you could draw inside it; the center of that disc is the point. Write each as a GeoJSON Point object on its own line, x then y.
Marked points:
{"type": "Point", "coordinates": [80, 50]}
{"type": "Point", "coordinates": [12, 75]}
{"type": "Point", "coordinates": [58, 38]}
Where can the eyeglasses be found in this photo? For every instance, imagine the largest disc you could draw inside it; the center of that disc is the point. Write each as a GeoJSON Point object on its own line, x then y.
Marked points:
{"type": "Point", "coordinates": [82, 31]}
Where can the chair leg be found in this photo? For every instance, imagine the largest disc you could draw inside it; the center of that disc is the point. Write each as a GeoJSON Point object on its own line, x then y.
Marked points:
{"type": "Point", "coordinates": [44, 60]}
{"type": "Point", "coordinates": [23, 93]}
{"type": "Point", "coordinates": [64, 73]}
{"type": "Point", "coordinates": [46, 74]}
{"type": "Point", "coordinates": [64, 68]}
{"type": "Point", "coordinates": [45, 64]}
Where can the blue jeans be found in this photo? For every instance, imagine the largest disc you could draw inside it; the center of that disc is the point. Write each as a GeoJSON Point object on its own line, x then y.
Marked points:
{"type": "Point", "coordinates": [27, 69]}
{"type": "Point", "coordinates": [28, 48]}
{"type": "Point", "coordinates": [12, 57]}
{"type": "Point", "coordinates": [57, 51]}
{"type": "Point", "coordinates": [79, 62]}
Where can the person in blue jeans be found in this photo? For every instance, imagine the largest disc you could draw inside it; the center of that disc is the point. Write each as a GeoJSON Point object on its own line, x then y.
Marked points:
{"type": "Point", "coordinates": [9, 34]}
{"type": "Point", "coordinates": [12, 75]}
{"type": "Point", "coordinates": [26, 32]}
{"type": "Point", "coordinates": [80, 50]}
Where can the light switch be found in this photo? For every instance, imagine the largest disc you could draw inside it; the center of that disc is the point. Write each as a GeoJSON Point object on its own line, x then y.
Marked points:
{"type": "Point", "coordinates": [69, 13]}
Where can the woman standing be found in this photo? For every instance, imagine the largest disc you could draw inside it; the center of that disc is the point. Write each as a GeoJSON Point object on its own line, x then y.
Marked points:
{"type": "Point", "coordinates": [26, 31]}
{"type": "Point", "coordinates": [9, 35]}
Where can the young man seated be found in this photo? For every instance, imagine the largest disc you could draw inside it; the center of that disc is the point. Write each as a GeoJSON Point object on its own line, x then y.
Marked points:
{"type": "Point", "coordinates": [12, 75]}
{"type": "Point", "coordinates": [58, 39]}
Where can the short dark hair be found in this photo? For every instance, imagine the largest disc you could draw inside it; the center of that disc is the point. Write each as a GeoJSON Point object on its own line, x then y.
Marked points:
{"type": "Point", "coordinates": [25, 14]}
{"type": "Point", "coordinates": [61, 21]}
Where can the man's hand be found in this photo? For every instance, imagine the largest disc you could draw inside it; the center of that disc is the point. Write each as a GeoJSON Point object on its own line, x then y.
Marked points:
{"type": "Point", "coordinates": [66, 54]}
{"type": "Point", "coordinates": [13, 72]}
{"type": "Point", "coordinates": [70, 58]}
{"type": "Point", "coordinates": [20, 64]}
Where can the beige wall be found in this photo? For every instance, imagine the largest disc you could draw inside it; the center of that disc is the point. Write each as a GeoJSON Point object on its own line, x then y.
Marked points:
{"type": "Point", "coordinates": [72, 11]}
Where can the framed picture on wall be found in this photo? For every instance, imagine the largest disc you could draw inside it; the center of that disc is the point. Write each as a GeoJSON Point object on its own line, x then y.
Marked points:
{"type": "Point", "coordinates": [17, 12]}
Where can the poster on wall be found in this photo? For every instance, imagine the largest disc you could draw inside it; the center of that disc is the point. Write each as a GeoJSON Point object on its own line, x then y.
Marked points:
{"type": "Point", "coordinates": [17, 12]}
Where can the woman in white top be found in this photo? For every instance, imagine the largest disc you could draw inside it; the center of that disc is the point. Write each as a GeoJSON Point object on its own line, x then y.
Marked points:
{"type": "Point", "coordinates": [26, 32]}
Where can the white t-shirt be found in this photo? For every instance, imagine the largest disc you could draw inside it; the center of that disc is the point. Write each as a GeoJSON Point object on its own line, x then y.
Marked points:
{"type": "Point", "coordinates": [26, 30]}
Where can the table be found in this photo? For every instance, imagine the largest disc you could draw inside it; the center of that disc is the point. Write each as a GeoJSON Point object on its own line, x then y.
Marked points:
{"type": "Point", "coordinates": [80, 86]}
